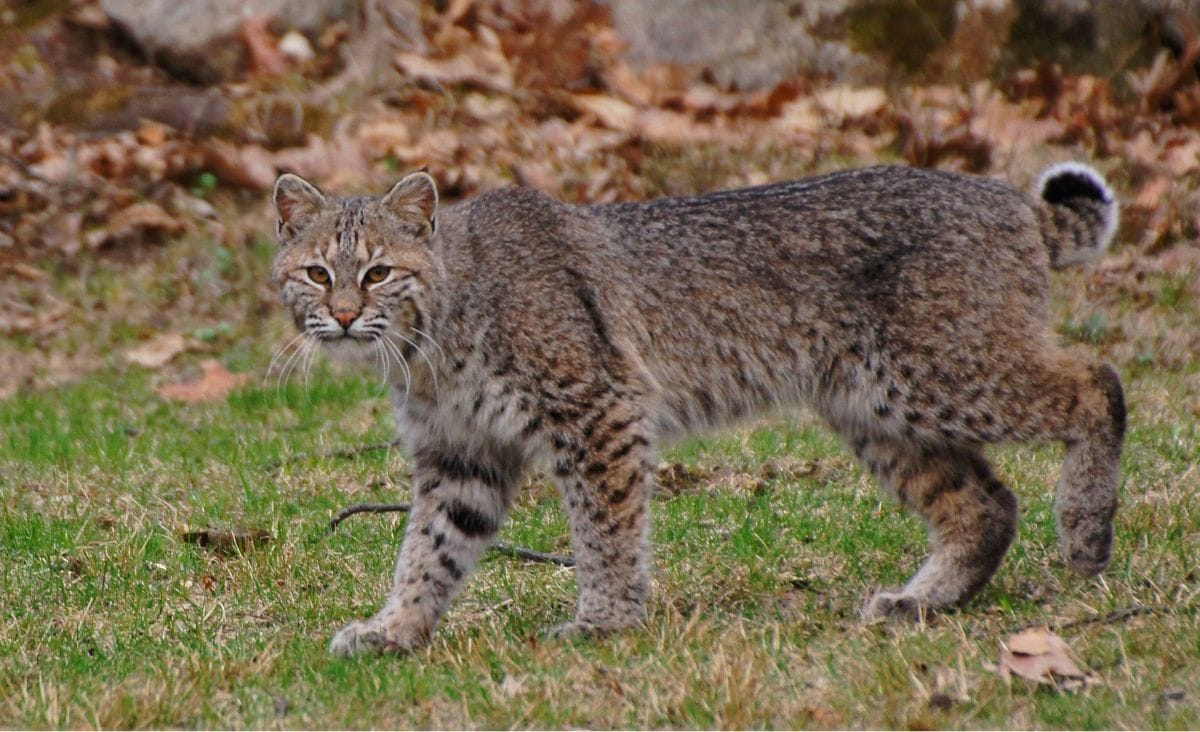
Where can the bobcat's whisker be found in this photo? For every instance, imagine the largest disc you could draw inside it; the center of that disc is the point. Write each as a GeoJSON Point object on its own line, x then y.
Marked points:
{"type": "Point", "coordinates": [421, 351]}
{"type": "Point", "coordinates": [290, 363]}
{"type": "Point", "coordinates": [279, 354]}
{"type": "Point", "coordinates": [429, 338]}
{"type": "Point", "coordinates": [306, 365]}
{"type": "Point", "coordinates": [384, 362]}
{"type": "Point", "coordinates": [398, 354]}
{"type": "Point", "coordinates": [402, 362]}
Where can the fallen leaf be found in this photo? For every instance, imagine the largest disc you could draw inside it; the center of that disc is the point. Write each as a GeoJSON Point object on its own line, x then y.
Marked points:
{"type": "Point", "coordinates": [667, 127]}
{"type": "Point", "coordinates": [27, 319]}
{"type": "Point", "coordinates": [151, 133]}
{"type": "Point", "coordinates": [25, 271]}
{"type": "Point", "coordinates": [537, 174]}
{"type": "Point", "coordinates": [227, 541]}
{"type": "Point", "coordinates": [157, 352]}
{"type": "Point", "coordinates": [483, 65]}
{"type": "Point", "coordinates": [135, 222]}
{"type": "Point", "coordinates": [1151, 194]}
{"type": "Point", "coordinates": [848, 102]}
{"type": "Point", "coordinates": [613, 113]}
{"type": "Point", "coordinates": [623, 80]}
{"type": "Point", "coordinates": [381, 137]}
{"type": "Point", "coordinates": [1182, 155]}
{"type": "Point", "coordinates": [215, 382]}
{"type": "Point", "coordinates": [246, 166]}
{"type": "Point", "coordinates": [1040, 656]}
{"type": "Point", "coordinates": [801, 116]}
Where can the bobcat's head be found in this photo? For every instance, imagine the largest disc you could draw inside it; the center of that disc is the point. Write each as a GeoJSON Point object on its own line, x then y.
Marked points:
{"type": "Point", "coordinates": [354, 272]}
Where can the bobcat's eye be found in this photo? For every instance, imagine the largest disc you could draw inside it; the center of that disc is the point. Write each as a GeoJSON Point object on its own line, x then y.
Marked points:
{"type": "Point", "coordinates": [320, 275]}
{"type": "Point", "coordinates": [376, 274]}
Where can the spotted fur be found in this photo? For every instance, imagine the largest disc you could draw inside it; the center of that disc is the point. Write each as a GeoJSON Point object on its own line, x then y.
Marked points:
{"type": "Point", "coordinates": [907, 307]}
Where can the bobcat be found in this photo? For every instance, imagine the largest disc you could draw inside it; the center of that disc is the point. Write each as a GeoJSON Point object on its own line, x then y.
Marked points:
{"type": "Point", "coordinates": [907, 307]}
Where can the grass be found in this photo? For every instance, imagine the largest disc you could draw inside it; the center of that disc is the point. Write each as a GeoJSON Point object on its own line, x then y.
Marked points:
{"type": "Point", "coordinates": [767, 540]}
{"type": "Point", "coordinates": [111, 620]}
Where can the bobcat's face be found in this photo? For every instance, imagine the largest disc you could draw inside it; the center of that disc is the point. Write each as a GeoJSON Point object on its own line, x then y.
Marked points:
{"type": "Point", "coordinates": [353, 272]}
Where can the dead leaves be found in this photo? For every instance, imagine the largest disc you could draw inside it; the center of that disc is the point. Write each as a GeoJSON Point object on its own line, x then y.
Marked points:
{"type": "Point", "coordinates": [157, 352]}
{"type": "Point", "coordinates": [135, 225]}
{"type": "Point", "coordinates": [1040, 656]}
{"type": "Point", "coordinates": [1169, 83]}
{"type": "Point", "coordinates": [215, 382]}
{"type": "Point", "coordinates": [543, 95]}
{"type": "Point", "coordinates": [22, 317]}
{"type": "Point", "coordinates": [481, 64]}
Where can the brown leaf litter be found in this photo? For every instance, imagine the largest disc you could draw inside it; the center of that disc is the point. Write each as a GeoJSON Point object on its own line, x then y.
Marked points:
{"type": "Point", "coordinates": [215, 382]}
{"type": "Point", "coordinates": [1040, 656]}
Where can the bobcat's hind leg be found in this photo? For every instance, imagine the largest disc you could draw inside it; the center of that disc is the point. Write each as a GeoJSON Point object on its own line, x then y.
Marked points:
{"type": "Point", "coordinates": [1054, 394]}
{"type": "Point", "coordinates": [971, 517]}
{"type": "Point", "coordinates": [1086, 500]}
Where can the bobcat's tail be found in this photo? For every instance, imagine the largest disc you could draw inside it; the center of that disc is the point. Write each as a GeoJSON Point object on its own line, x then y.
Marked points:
{"type": "Point", "coordinates": [1078, 213]}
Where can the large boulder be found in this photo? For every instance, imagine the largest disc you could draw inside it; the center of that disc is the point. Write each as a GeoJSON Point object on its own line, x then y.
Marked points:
{"type": "Point", "coordinates": [745, 44]}
{"type": "Point", "coordinates": [199, 39]}
{"type": "Point", "coordinates": [751, 44]}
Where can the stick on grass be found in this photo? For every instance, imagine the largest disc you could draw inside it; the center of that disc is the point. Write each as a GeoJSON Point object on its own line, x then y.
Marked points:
{"type": "Point", "coordinates": [518, 552]}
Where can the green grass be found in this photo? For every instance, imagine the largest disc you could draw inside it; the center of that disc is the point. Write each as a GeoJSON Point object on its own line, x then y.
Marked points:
{"type": "Point", "coordinates": [767, 540]}
{"type": "Point", "coordinates": [111, 620]}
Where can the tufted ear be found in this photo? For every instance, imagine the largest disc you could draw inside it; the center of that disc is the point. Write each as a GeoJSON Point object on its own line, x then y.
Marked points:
{"type": "Point", "coordinates": [413, 199]}
{"type": "Point", "coordinates": [296, 202]}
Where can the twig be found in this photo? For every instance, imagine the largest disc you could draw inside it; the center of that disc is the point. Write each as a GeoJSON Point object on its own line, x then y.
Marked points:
{"type": "Point", "coordinates": [349, 452]}
{"type": "Point", "coordinates": [366, 508]}
{"type": "Point", "coordinates": [1116, 616]}
{"type": "Point", "coordinates": [532, 556]}
{"type": "Point", "coordinates": [507, 550]}
{"type": "Point", "coordinates": [345, 452]}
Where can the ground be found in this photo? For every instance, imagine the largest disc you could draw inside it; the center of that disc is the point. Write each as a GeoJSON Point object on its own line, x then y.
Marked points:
{"type": "Point", "coordinates": [134, 256]}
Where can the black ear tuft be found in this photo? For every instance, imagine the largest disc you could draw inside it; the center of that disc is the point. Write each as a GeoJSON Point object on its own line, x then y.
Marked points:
{"type": "Point", "coordinates": [296, 202]}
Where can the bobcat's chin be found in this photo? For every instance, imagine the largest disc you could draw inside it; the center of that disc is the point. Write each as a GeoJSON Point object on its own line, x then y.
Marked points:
{"type": "Point", "coordinates": [350, 347]}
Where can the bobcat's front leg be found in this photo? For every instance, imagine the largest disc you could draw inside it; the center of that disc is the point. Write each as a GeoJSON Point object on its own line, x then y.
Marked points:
{"type": "Point", "coordinates": [458, 506]}
{"type": "Point", "coordinates": [606, 484]}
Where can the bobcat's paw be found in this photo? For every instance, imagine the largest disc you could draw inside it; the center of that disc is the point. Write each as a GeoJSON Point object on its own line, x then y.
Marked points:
{"type": "Point", "coordinates": [1089, 554]}
{"type": "Point", "coordinates": [370, 636]}
{"type": "Point", "coordinates": [883, 605]}
{"type": "Point", "coordinates": [361, 636]}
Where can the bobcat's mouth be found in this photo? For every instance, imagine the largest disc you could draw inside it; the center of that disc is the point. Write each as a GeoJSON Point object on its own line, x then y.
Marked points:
{"type": "Point", "coordinates": [328, 330]}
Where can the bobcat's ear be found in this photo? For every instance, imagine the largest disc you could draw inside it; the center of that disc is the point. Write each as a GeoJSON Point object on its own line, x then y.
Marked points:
{"type": "Point", "coordinates": [414, 199]}
{"type": "Point", "coordinates": [296, 202]}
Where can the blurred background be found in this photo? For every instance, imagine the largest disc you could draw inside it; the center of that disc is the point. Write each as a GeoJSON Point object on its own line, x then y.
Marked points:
{"type": "Point", "coordinates": [139, 138]}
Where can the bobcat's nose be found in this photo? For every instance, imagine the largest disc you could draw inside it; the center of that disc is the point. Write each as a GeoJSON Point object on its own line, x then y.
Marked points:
{"type": "Point", "coordinates": [345, 317]}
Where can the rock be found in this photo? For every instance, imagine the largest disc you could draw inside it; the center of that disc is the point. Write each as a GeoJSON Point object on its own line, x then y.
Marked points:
{"type": "Point", "coordinates": [199, 39]}
{"type": "Point", "coordinates": [745, 44]}
{"type": "Point", "coordinates": [1103, 37]}
{"type": "Point", "coordinates": [755, 44]}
